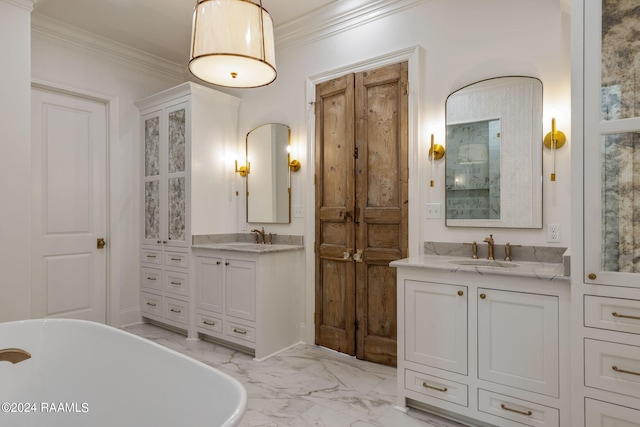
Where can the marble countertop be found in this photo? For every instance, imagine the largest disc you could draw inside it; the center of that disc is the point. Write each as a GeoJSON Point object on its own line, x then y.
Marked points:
{"type": "Point", "coordinates": [249, 247]}
{"type": "Point", "coordinates": [453, 264]}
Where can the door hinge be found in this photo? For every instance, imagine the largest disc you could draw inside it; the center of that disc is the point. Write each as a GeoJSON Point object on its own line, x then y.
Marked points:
{"type": "Point", "coordinates": [355, 152]}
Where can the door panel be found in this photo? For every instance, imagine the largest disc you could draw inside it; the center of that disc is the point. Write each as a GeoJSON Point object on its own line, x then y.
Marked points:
{"type": "Point", "coordinates": [381, 206]}
{"type": "Point", "coordinates": [68, 206]}
{"type": "Point", "coordinates": [361, 210]}
{"type": "Point", "coordinates": [335, 292]}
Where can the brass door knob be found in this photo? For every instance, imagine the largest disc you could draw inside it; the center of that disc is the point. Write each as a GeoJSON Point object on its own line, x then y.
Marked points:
{"type": "Point", "coordinates": [100, 243]}
{"type": "Point", "coordinates": [592, 276]}
{"type": "Point", "coordinates": [460, 293]}
{"type": "Point", "coordinates": [482, 296]}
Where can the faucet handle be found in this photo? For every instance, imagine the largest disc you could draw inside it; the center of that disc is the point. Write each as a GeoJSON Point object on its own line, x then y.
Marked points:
{"type": "Point", "coordinates": [507, 251]}
{"type": "Point", "coordinates": [474, 249]}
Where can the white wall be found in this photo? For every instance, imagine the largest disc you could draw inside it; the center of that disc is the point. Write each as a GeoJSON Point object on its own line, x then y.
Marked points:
{"type": "Point", "coordinates": [15, 110]}
{"type": "Point", "coordinates": [93, 68]}
{"type": "Point", "coordinates": [462, 41]}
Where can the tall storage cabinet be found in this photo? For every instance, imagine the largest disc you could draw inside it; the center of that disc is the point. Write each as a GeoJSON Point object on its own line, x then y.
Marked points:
{"type": "Point", "coordinates": [185, 131]}
{"type": "Point", "coordinates": [606, 202]}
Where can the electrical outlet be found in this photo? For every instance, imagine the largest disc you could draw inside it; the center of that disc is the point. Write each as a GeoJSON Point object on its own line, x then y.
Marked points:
{"type": "Point", "coordinates": [432, 211]}
{"type": "Point", "coordinates": [298, 211]}
{"type": "Point", "coordinates": [553, 232]}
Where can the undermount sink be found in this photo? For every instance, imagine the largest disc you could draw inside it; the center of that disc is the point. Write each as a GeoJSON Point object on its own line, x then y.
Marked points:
{"type": "Point", "coordinates": [247, 245]}
{"type": "Point", "coordinates": [484, 263]}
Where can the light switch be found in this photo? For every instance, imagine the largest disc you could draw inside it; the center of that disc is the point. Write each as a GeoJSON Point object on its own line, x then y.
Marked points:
{"type": "Point", "coordinates": [433, 210]}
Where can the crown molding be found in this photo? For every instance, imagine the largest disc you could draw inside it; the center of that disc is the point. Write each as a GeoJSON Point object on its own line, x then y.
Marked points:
{"type": "Point", "coordinates": [47, 30]}
{"type": "Point", "coordinates": [23, 4]}
{"type": "Point", "coordinates": [328, 21]}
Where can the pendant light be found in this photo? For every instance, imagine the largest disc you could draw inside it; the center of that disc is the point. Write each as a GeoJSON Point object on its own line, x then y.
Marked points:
{"type": "Point", "coordinates": [232, 43]}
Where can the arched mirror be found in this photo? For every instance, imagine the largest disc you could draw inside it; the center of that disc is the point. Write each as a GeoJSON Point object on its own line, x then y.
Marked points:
{"type": "Point", "coordinates": [494, 154]}
{"type": "Point", "coordinates": [268, 195]}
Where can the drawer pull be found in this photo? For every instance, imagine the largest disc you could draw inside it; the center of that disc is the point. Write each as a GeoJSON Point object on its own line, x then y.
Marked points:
{"type": "Point", "coordinates": [176, 259]}
{"type": "Point", "coordinates": [483, 296]}
{"type": "Point", "coordinates": [425, 385]}
{"type": "Point", "coordinates": [153, 279]}
{"type": "Point", "coordinates": [460, 293]}
{"type": "Point", "coordinates": [177, 283]}
{"type": "Point", "coordinates": [173, 310]}
{"type": "Point", "coordinates": [151, 304]}
{"type": "Point", "coordinates": [209, 323]}
{"type": "Point", "coordinates": [218, 262]}
{"type": "Point", "coordinates": [151, 256]}
{"type": "Point", "coordinates": [239, 331]}
{"type": "Point", "coordinates": [622, 371]}
{"type": "Point", "coordinates": [624, 316]}
{"type": "Point", "coordinates": [506, 408]}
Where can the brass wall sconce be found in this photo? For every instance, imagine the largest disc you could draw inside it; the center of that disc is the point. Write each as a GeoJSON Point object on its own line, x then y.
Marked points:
{"type": "Point", "coordinates": [436, 152]}
{"type": "Point", "coordinates": [243, 170]}
{"type": "Point", "coordinates": [554, 140]}
{"type": "Point", "coordinates": [295, 165]}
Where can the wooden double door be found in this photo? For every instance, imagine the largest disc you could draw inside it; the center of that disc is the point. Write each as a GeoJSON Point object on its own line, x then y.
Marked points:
{"type": "Point", "coordinates": [361, 210]}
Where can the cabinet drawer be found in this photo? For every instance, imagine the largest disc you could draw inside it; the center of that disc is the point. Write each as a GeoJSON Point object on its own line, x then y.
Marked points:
{"type": "Point", "coordinates": [521, 411]}
{"type": "Point", "coordinates": [615, 314]}
{"type": "Point", "coordinates": [436, 387]}
{"type": "Point", "coordinates": [152, 278]}
{"type": "Point", "coordinates": [613, 367]}
{"type": "Point", "coordinates": [151, 256]}
{"type": "Point", "coordinates": [176, 282]}
{"type": "Point", "coordinates": [210, 323]}
{"type": "Point", "coordinates": [176, 259]}
{"type": "Point", "coordinates": [175, 310]}
{"type": "Point", "coordinates": [151, 304]}
{"type": "Point", "coordinates": [242, 332]}
{"type": "Point", "coordinates": [602, 414]}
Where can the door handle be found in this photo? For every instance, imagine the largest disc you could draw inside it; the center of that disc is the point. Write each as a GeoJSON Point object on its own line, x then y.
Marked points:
{"type": "Point", "coordinates": [357, 257]}
{"type": "Point", "coordinates": [100, 243]}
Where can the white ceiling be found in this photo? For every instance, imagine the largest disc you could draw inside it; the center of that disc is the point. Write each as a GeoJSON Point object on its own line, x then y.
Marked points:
{"type": "Point", "coordinates": [158, 27]}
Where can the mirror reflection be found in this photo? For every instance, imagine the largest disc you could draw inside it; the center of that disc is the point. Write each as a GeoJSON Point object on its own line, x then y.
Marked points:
{"type": "Point", "coordinates": [494, 154]}
{"type": "Point", "coordinates": [268, 178]}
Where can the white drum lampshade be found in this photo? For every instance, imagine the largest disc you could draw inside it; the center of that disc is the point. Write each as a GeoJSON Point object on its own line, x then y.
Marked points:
{"type": "Point", "coordinates": [232, 43]}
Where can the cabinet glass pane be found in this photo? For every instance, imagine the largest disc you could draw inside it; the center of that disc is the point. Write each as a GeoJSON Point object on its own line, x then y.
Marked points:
{"type": "Point", "coordinates": [152, 146]}
{"type": "Point", "coordinates": [620, 200]}
{"type": "Point", "coordinates": [177, 141]}
{"type": "Point", "coordinates": [620, 60]}
{"type": "Point", "coordinates": [152, 210]}
{"type": "Point", "coordinates": [177, 194]}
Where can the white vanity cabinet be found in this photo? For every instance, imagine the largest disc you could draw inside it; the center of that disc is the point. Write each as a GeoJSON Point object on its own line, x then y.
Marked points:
{"type": "Point", "coordinates": [183, 130]}
{"type": "Point", "coordinates": [605, 165]}
{"type": "Point", "coordinates": [251, 300]}
{"type": "Point", "coordinates": [483, 348]}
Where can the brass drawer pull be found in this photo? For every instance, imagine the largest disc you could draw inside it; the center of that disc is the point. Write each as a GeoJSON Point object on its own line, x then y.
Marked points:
{"type": "Point", "coordinates": [506, 408]}
{"type": "Point", "coordinates": [153, 279]}
{"type": "Point", "coordinates": [483, 296]}
{"type": "Point", "coordinates": [624, 316]}
{"type": "Point", "coordinates": [151, 304]}
{"type": "Point", "coordinates": [239, 331]}
{"type": "Point", "coordinates": [176, 259]}
{"type": "Point", "coordinates": [460, 293]}
{"type": "Point", "coordinates": [622, 371]}
{"type": "Point", "coordinates": [151, 256]}
{"type": "Point", "coordinates": [218, 262]}
{"type": "Point", "coordinates": [592, 276]}
{"type": "Point", "coordinates": [177, 283]}
{"type": "Point", "coordinates": [173, 310]}
{"type": "Point", "coordinates": [209, 323]}
{"type": "Point", "coordinates": [425, 385]}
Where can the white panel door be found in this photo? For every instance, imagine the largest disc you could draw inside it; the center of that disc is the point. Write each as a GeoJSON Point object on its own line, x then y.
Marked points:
{"type": "Point", "coordinates": [68, 206]}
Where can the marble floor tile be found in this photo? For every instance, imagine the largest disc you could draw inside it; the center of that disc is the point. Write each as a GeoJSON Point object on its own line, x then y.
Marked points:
{"type": "Point", "coordinates": [303, 386]}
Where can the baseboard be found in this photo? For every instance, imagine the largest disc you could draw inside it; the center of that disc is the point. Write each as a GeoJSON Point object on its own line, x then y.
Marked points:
{"type": "Point", "coordinates": [130, 316]}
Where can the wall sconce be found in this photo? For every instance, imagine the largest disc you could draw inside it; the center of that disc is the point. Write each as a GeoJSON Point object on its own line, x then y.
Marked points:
{"type": "Point", "coordinates": [554, 140]}
{"type": "Point", "coordinates": [243, 170]}
{"type": "Point", "coordinates": [295, 165]}
{"type": "Point", "coordinates": [436, 152]}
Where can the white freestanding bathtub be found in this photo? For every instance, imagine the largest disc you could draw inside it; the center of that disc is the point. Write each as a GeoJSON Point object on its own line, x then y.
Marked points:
{"type": "Point", "coordinates": [87, 374]}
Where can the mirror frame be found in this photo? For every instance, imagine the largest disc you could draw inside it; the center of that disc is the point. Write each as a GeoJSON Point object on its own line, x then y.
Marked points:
{"type": "Point", "coordinates": [503, 98]}
{"type": "Point", "coordinates": [283, 162]}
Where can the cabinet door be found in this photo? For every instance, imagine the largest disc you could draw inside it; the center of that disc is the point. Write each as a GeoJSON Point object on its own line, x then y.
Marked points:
{"type": "Point", "coordinates": [177, 155]}
{"type": "Point", "coordinates": [518, 340]}
{"type": "Point", "coordinates": [209, 279]}
{"type": "Point", "coordinates": [241, 289]}
{"type": "Point", "coordinates": [152, 124]}
{"type": "Point", "coordinates": [436, 325]}
{"type": "Point", "coordinates": [611, 148]}
{"type": "Point", "coordinates": [601, 414]}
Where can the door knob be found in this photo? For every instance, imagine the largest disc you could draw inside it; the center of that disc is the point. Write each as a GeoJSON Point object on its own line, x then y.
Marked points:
{"type": "Point", "coordinates": [357, 257]}
{"type": "Point", "coordinates": [100, 243]}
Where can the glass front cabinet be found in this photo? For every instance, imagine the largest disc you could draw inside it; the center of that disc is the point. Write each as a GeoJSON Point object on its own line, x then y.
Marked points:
{"type": "Point", "coordinates": [606, 189]}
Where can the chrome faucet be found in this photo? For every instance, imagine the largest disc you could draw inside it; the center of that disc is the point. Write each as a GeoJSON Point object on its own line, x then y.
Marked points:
{"type": "Point", "coordinates": [259, 233]}
{"type": "Point", "coordinates": [14, 355]}
{"type": "Point", "coordinates": [489, 241]}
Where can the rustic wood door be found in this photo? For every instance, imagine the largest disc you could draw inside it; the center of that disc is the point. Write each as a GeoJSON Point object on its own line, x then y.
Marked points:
{"type": "Point", "coordinates": [361, 210]}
